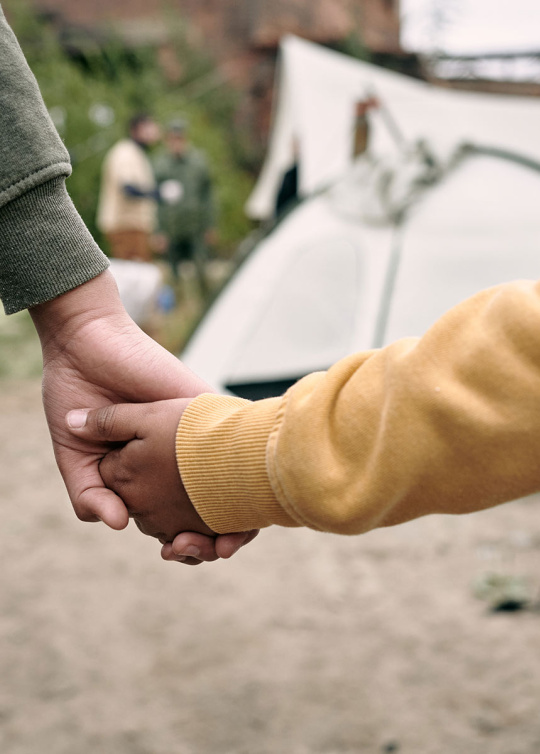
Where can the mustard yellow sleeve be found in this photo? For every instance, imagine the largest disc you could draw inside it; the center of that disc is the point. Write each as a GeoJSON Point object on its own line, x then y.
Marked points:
{"type": "Point", "coordinates": [447, 423]}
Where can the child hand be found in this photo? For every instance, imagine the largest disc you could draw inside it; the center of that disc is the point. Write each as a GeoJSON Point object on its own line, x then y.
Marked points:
{"type": "Point", "coordinates": [142, 468]}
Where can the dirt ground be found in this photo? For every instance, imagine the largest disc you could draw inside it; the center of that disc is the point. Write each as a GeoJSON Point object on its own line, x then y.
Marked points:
{"type": "Point", "coordinates": [302, 644]}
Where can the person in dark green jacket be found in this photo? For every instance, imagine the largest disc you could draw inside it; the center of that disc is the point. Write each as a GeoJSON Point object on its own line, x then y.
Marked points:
{"type": "Point", "coordinates": [93, 353]}
{"type": "Point", "coordinates": [186, 211]}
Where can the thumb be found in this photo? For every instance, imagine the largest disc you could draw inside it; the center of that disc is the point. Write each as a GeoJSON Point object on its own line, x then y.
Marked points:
{"type": "Point", "coordinates": [99, 503]}
{"type": "Point", "coordinates": [119, 422]}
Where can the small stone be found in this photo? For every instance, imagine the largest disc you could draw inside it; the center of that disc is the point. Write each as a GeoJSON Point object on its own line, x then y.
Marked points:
{"type": "Point", "coordinates": [503, 592]}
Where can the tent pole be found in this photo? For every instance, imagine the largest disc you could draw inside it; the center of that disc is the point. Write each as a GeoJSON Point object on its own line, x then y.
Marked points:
{"type": "Point", "coordinates": [388, 119]}
{"type": "Point", "coordinates": [388, 289]}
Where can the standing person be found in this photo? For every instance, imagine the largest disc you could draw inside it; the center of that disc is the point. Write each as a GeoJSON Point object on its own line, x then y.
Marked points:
{"type": "Point", "coordinates": [127, 201]}
{"type": "Point", "coordinates": [187, 208]}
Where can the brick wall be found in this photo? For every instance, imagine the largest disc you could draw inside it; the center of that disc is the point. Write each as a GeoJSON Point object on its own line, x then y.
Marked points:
{"type": "Point", "coordinates": [232, 24]}
{"type": "Point", "coordinates": [242, 35]}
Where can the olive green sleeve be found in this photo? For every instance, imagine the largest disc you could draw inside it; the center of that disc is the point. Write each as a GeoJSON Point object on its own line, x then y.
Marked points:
{"type": "Point", "coordinates": [45, 248]}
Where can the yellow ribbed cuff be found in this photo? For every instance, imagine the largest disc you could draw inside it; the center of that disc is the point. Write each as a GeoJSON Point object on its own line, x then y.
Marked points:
{"type": "Point", "coordinates": [221, 447]}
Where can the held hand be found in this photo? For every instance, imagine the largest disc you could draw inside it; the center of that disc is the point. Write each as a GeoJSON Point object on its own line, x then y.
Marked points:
{"type": "Point", "coordinates": [227, 545]}
{"type": "Point", "coordinates": [95, 355]}
{"type": "Point", "coordinates": [144, 473]}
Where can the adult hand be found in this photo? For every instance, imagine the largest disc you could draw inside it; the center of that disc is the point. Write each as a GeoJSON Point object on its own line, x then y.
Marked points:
{"type": "Point", "coordinates": [94, 355]}
{"type": "Point", "coordinates": [141, 466]}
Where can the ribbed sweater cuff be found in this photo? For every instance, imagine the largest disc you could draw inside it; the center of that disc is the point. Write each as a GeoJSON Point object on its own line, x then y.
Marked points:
{"type": "Point", "coordinates": [221, 447]}
{"type": "Point", "coordinates": [45, 247]}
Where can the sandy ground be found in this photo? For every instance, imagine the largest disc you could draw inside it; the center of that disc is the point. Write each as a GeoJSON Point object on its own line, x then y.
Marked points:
{"type": "Point", "coordinates": [302, 644]}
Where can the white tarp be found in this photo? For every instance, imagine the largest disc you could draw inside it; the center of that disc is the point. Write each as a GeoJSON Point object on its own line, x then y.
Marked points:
{"type": "Point", "coordinates": [298, 303]}
{"type": "Point", "coordinates": [339, 275]}
{"type": "Point", "coordinates": [317, 90]}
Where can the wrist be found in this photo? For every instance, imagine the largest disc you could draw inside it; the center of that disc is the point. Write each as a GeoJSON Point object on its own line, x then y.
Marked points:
{"type": "Point", "coordinates": [63, 318]}
{"type": "Point", "coordinates": [46, 248]}
{"type": "Point", "coordinates": [221, 451]}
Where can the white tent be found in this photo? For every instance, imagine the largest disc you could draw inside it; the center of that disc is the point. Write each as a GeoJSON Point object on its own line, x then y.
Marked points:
{"type": "Point", "coordinates": [329, 280]}
{"type": "Point", "coordinates": [317, 92]}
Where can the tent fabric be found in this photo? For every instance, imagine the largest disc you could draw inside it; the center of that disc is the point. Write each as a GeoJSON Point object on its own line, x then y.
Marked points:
{"type": "Point", "coordinates": [326, 284]}
{"type": "Point", "coordinates": [317, 90]}
{"type": "Point", "coordinates": [346, 271]}
{"type": "Point", "coordinates": [298, 303]}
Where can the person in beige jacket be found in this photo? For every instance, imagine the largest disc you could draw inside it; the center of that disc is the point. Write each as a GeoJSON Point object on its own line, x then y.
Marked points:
{"type": "Point", "coordinates": [127, 208]}
{"type": "Point", "coordinates": [445, 423]}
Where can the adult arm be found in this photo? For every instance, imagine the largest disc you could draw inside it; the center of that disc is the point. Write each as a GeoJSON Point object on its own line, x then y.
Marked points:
{"type": "Point", "coordinates": [93, 353]}
{"type": "Point", "coordinates": [45, 248]}
{"type": "Point", "coordinates": [135, 192]}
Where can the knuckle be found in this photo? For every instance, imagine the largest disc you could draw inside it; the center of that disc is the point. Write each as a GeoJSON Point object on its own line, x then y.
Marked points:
{"type": "Point", "coordinates": [114, 476]}
{"type": "Point", "coordinates": [145, 528]}
{"type": "Point", "coordinates": [113, 473]}
{"type": "Point", "coordinates": [140, 526]}
{"type": "Point", "coordinates": [105, 421]}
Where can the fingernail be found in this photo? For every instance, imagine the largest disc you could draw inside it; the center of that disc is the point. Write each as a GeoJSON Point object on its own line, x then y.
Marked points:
{"type": "Point", "coordinates": [191, 551]}
{"type": "Point", "coordinates": [77, 419]}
